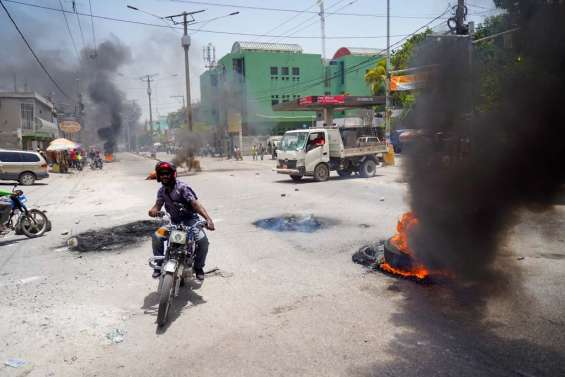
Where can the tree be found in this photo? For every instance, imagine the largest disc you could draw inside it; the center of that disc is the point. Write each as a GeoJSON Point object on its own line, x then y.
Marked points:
{"type": "Point", "coordinates": [399, 59]}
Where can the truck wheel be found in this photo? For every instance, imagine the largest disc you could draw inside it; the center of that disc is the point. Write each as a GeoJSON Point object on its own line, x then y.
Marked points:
{"type": "Point", "coordinates": [368, 169]}
{"type": "Point", "coordinates": [296, 178]}
{"type": "Point", "coordinates": [321, 172]}
{"type": "Point", "coordinates": [344, 172]}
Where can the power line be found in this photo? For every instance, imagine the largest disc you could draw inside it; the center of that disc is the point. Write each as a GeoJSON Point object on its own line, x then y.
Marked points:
{"type": "Point", "coordinates": [293, 30]}
{"type": "Point", "coordinates": [92, 25]}
{"type": "Point", "coordinates": [192, 29]}
{"type": "Point", "coordinates": [286, 10]}
{"type": "Point", "coordinates": [327, 16]}
{"type": "Point", "coordinates": [69, 29]}
{"type": "Point", "coordinates": [33, 52]}
{"type": "Point", "coordinates": [79, 25]}
{"type": "Point", "coordinates": [291, 18]}
{"type": "Point", "coordinates": [353, 68]}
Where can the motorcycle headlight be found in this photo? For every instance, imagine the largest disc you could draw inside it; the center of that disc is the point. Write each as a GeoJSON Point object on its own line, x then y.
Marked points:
{"type": "Point", "coordinates": [178, 237]}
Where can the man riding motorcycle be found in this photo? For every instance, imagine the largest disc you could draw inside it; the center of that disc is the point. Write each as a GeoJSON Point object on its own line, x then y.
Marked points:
{"type": "Point", "coordinates": [183, 206]}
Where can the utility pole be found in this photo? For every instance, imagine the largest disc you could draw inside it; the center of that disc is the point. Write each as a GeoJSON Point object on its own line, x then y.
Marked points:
{"type": "Point", "coordinates": [460, 13]}
{"type": "Point", "coordinates": [149, 79]}
{"type": "Point", "coordinates": [323, 25]}
{"type": "Point", "coordinates": [185, 42]}
{"type": "Point", "coordinates": [387, 79]}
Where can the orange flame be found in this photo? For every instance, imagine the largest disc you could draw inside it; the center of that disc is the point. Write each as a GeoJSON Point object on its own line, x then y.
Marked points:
{"type": "Point", "coordinates": [419, 272]}
{"type": "Point", "coordinates": [108, 157]}
{"type": "Point", "coordinates": [400, 240]}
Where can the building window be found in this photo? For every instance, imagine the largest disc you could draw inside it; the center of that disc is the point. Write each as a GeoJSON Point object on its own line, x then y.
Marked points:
{"type": "Point", "coordinates": [284, 71]}
{"type": "Point", "coordinates": [295, 71]}
{"type": "Point", "coordinates": [286, 97]}
{"type": "Point", "coordinates": [295, 78]}
{"type": "Point", "coordinates": [274, 100]}
{"type": "Point", "coordinates": [274, 71]}
{"type": "Point", "coordinates": [27, 116]}
{"type": "Point", "coordinates": [275, 78]}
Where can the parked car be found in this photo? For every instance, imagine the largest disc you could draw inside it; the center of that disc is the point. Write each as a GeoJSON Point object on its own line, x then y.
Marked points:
{"type": "Point", "coordinates": [23, 166]}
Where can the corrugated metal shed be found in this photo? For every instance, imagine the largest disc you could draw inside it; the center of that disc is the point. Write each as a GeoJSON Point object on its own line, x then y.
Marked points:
{"type": "Point", "coordinates": [262, 46]}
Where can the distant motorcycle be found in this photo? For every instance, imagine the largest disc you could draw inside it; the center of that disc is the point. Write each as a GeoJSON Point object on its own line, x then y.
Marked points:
{"type": "Point", "coordinates": [96, 163]}
{"type": "Point", "coordinates": [31, 222]}
{"type": "Point", "coordinates": [176, 264]}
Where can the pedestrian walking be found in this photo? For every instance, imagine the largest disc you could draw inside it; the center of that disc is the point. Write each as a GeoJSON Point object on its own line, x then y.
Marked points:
{"type": "Point", "coordinates": [254, 151]}
{"type": "Point", "coordinates": [261, 151]}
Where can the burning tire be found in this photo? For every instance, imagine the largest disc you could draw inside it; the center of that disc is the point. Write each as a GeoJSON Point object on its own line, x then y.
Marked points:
{"type": "Point", "coordinates": [396, 258]}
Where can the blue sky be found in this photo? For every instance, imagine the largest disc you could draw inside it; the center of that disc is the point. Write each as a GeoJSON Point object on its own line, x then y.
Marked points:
{"type": "Point", "coordinates": [158, 50]}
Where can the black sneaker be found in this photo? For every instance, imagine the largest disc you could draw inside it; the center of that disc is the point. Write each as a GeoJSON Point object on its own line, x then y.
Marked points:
{"type": "Point", "coordinates": [156, 274]}
{"type": "Point", "coordinates": [199, 274]}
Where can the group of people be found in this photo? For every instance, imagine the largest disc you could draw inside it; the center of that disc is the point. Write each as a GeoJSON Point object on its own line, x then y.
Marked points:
{"type": "Point", "coordinates": [257, 151]}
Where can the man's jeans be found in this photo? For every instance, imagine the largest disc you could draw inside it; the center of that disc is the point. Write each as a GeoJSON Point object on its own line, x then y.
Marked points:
{"type": "Point", "coordinates": [201, 250]}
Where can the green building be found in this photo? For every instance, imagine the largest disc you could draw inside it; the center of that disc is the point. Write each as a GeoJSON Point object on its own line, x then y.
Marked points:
{"type": "Point", "coordinates": [240, 90]}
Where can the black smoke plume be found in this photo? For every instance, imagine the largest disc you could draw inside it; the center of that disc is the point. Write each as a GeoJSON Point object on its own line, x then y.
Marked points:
{"type": "Point", "coordinates": [472, 170]}
{"type": "Point", "coordinates": [107, 99]}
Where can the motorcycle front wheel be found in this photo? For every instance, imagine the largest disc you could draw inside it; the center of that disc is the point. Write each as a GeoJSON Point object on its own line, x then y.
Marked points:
{"type": "Point", "coordinates": [33, 224]}
{"type": "Point", "coordinates": [166, 295]}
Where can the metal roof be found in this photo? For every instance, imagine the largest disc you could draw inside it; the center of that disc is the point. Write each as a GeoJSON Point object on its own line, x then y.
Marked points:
{"type": "Point", "coordinates": [262, 46]}
{"type": "Point", "coordinates": [358, 51]}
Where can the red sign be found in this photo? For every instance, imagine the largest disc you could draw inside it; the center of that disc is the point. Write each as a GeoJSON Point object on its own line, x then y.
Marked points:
{"type": "Point", "coordinates": [305, 100]}
{"type": "Point", "coordinates": [322, 100]}
{"type": "Point", "coordinates": [331, 100]}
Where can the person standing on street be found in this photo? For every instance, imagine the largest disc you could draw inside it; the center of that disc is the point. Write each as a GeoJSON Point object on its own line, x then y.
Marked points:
{"type": "Point", "coordinates": [261, 151]}
{"type": "Point", "coordinates": [254, 151]}
{"type": "Point", "coordinates": [183, 206]}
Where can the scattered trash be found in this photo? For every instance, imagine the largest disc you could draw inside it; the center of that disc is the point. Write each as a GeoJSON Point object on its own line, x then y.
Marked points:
{"type": "Point", "coordinates": [364, 226]}
{"type": "Point", "coordinates": [15, 363]}
{"type": "Point", "coordinates": [382, 199]}
{"type": "Point", "coordinates": [257, 173]}
{"type": "Point", "coordinates": [65, 233]}
{"type": "Point", "coordinates": [112, 238]}
{"type": "Point", "coordinates": [77, 222]}
{"type": "Point", "coordinates": [116, 335]}
{"type": "Point", "coordinates": [283, 195]}
{"type": "Point", "coordinates": [296, 189]}
{"type": "Point", "coordinates": [367, 255]}
{"type": "Point", "coordinates": [295, 223]}
{"type": "Point", "coordinates": [521, 258]}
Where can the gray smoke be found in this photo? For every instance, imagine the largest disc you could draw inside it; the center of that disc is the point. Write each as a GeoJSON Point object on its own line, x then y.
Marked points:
{"type": "Point", "coordinates": [471, 172]}
{"type": "Point", "coordinates": [18, 70]}
{"type": "Point", "coordinates": [107, 100]}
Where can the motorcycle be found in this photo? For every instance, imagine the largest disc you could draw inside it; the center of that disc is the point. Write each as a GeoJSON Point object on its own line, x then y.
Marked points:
{"type": "Point", "coordinates": [176, 264]}
{"type": "Point", "coordinates": [31, 222]}
{"type": "Point", "coordinates": [96, 163]}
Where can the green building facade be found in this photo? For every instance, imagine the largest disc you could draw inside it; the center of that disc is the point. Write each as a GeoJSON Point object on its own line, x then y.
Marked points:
{"type": "Point", "coordinates": [241, 89]}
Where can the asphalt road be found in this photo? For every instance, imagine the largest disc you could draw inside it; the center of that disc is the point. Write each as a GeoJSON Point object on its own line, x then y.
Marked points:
{"type": "Point", "coordinates": [282, 304]}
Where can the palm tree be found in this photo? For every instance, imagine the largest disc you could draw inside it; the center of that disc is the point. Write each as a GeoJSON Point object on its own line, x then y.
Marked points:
{"type": "Point", "coordinates": [376, 76]}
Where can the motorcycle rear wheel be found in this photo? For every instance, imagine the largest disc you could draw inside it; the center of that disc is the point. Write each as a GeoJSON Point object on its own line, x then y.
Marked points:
{"type": "Point", "coordinates": [34, 224]}
{"type": "Point", "coordinates": [166, 295]}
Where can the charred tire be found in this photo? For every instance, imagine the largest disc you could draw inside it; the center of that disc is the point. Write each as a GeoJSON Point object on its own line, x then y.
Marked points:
{"type": "Point", "coordinates": [321, 172]}
{"type": "Point", "coordinates": [344, 172]}
{"type": "Point", "coordinates": [27, 178]}
{"type": "Point", "coordinates": [296, 178]}
{"type": "Point", "coordinates": [34, 224]}
{"type": "Point", "coordinates": [166, 295]}
{"type": "Point", "coordinates": [368, 168]}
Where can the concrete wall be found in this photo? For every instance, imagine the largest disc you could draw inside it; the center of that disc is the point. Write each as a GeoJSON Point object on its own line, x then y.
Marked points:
{"type": "Point", "coordinates": [10, 123]}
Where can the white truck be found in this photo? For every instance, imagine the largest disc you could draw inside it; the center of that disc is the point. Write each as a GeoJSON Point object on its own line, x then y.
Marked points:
{"type": "Point", "coordinates": [317, 151]}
